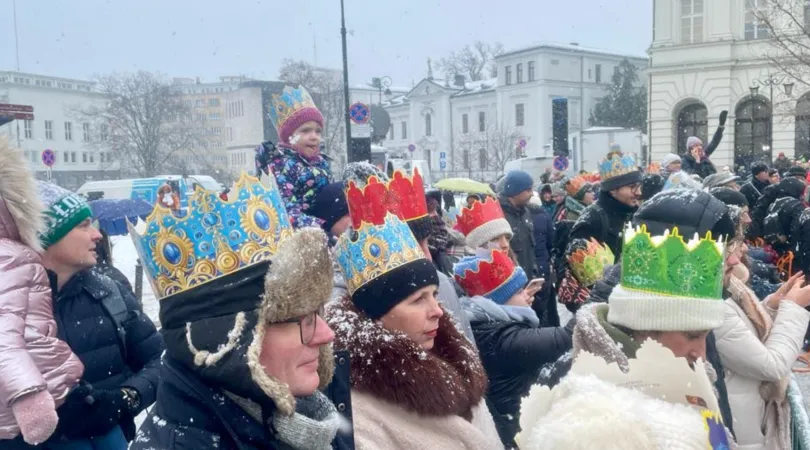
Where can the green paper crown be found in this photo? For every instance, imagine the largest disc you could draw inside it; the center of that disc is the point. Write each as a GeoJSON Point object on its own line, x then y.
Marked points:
{"type": "Point", "coordinates": [668, 265]}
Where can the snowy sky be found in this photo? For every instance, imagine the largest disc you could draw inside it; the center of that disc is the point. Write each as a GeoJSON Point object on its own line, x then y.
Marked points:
{"type": "Point", "coordinates": [208, 38]}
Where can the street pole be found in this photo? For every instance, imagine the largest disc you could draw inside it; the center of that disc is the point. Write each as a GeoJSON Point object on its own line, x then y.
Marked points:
{"type": "Point", "coordinates": [346, 85]}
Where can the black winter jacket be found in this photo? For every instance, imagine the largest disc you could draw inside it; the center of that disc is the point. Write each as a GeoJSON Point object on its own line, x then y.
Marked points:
{"type": "Point", "coordinates": [513, 348]}
{"type": "Point", "coordinates": [753, 190]}
{"type": "Point", "coordinates": [522, 243]}
{"type": "Point", "coordinates": [704, 168]}
{"type": "Point", "coordinates": [789, 187]}
{"type": "Point", "coordinates": [339, 392]}
{"type": "Point", "coordinates": [110, 362]}
{"type": "Point", "coordinates": [543, 240]}
{"type": "Point", "coordinates": [803, 243]}
{"type": "Point", "coordinates": [604, 221]}
{"type": "Point", "coordinates": [192, 415]}
{"type": "Point", "coordinates": [783, 219]}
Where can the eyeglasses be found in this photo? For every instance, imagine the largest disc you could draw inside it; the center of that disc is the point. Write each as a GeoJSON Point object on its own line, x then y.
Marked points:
{"type": "Point", "coordinates": [307, 325]}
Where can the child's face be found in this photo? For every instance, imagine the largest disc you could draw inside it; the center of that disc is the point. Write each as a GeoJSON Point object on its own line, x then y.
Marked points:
{"type": "Point", "coordinates": [306, 140]}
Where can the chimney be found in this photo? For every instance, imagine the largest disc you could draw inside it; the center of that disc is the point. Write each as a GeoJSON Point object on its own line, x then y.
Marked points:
{"type": "Point", "coordinates": [460, 81]}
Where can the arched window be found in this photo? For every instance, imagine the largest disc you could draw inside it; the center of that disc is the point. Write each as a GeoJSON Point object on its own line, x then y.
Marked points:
{"type": "Point", "coordinates": [692, 121]}
{"type": "Point", "coordinates": [428, 125]}
{"type": "Point", "coordinates": [752, 132]}
{"type": "Point", "coordinates": [802, 143]}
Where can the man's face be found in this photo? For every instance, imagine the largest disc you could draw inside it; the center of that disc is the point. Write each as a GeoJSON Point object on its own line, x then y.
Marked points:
{"type": "Point", "coordinates": [589, 198]}
{"type": "Point", "coordinates": [629, 195]}
{"type": "Point", "coordinates": [522, 198]}
{"type": "Point", "coordinates": [763, 176]}
{"type": "Point", "coordinates": [77, 249]}
{"type": "Point", "coordinates": [684, 344]}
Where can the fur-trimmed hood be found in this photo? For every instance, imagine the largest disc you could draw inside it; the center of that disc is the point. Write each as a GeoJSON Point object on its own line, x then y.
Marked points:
{"type": "Point", "coordinates": [20, 208]}
{"type": "Point", "coordinates": [447, 380]}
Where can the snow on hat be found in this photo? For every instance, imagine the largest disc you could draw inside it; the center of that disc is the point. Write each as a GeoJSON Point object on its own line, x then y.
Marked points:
{"type": "Point", "coordinates": [516, 182]}
{"type": "Point", "coordinates": [668, 284]}
{"type": "Point", "coordinates": [669, 158]}
{"type": "Point", "coordinates": [64, 210]}
{"type": "Point", "coordinates": [683, 180]}
{"type": "Point", "coordinates": [483, 222]}
{"type": "Point", "coordinates": [719, 179]}
{"type": "Point", "coordinates": [692, 141]}
{"type": "Point", "coordinates": [494, 277]}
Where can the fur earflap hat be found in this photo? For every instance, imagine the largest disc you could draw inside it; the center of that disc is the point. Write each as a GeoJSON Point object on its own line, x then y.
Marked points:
{"type": "Point", "coordinates": [19, 199]}
{"type": "Point", "coordinates": [217, 329]}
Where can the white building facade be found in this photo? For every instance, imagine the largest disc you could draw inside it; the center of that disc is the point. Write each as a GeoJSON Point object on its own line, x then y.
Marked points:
{"type": "Point", "coordinates": [706, 56]}
{"type": "Point", "coordinates": [80, 156]}
{"type": "Point", "coordinates": [461, 127]}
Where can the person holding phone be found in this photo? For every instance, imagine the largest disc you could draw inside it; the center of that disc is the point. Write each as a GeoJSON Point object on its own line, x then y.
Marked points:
{"type": "Point", "coordinates": [512, 343]}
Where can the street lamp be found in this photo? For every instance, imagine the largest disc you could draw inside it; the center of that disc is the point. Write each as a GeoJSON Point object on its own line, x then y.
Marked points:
{"type": "Point", "coordinates": [381, 83]}
{"type": "Point", "coordinates": [770, 81]}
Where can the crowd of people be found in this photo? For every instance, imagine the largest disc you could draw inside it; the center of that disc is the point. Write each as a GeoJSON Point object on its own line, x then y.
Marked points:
{"type": "Point", "coordinates": [302, 309]}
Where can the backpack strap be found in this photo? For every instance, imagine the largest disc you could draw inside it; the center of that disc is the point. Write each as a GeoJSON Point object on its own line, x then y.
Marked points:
{"type": "Point", "coordinates": [115, 307]}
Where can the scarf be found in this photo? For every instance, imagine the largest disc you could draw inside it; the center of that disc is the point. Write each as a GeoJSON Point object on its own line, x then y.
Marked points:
{"type": "Point", "coordinates": [574, 206]}
{"type": "Point", "coordinates": [313, 425]}
{"type": "Point", "coordinates": [777, 408]}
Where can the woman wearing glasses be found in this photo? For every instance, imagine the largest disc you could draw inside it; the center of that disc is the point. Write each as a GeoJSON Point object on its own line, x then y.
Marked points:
{"type": "Point", "coordinates": [416, 381]}
{"type": "Point", "coordinates": [246, 354]}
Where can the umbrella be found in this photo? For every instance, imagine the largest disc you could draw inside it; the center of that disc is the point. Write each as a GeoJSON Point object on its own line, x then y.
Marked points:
{"type": "Point", "coordinates": [464, 185]}
{"type": "Point", "coordinates": [112, 214]}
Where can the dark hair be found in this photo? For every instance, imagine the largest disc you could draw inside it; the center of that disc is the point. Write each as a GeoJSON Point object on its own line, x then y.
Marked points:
{"type": "Point", "coordinates": [104, 249]}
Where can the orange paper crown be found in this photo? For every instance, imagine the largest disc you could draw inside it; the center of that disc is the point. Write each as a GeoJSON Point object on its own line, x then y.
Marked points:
{"type": "Point", "coordinates": [402, 196]}
{"type": "Point", "coordinates": [575, 184]}
{"type": "Point", "coordinates": [592, 178]}
{"type": "Point", "coordinates": [480, 213]}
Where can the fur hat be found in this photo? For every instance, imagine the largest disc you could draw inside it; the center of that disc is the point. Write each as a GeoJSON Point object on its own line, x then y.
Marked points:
{"type": "Point", "coordinates": [758, 167]}
{"type": "Point", "coordinates": [18, 197]}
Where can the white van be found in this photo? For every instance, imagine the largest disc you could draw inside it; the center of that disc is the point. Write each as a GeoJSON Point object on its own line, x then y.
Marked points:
{"type": "Point", "coordinates": [146, 188]}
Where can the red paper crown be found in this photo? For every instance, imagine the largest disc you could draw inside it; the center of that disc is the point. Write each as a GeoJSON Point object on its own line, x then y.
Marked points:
{"type": "Point", "coordinates": [367, 204]}
{"type": "Point", "coordinates": [491, 274]}
{"type": "Point", "coordinates": [480, 213]}
{"type": "Point", "coordinates": [406, 196]}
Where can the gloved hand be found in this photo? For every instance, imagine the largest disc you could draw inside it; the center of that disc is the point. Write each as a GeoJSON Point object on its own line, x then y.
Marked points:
{"type": "Point", "coordinates": [88, 412]}
{"type": "Point", "coordinates": [35, 414]}
{"type": "Point", "coordinates": [723, 116]}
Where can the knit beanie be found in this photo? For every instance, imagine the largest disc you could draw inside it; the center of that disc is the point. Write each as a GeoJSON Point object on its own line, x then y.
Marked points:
{"type": "Point", "coordinates": [668, 284]}
{"type": "Point", "coordinates": [482, 223]}
{"type": "Point", "coordinates": [494, 276]}
{"type": "Point", "coordinates": [64, 210]}
{"type": "Point", "coordinates": [692, 141]}
{"type": "Point", "coordinates": [330, 205]}
{"type": "Point", "coordinates": [669, 158]}
{"type": "Point", "coordinates": [516, 182]}
{"type": "Point", "coordinates": [758, 167]}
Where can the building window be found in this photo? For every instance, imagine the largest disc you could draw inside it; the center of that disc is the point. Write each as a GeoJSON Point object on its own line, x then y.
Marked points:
{"type": "Point", "coordinates": [404, 132]}
{"type": "Point", "coordinates": [92, 157]}
{"type": "Point", "coordinates": [520, 117]}
{"type": "Point", "coordinates": [692, 121]}
{"type": "Point", "coordinates": [598, 73]}
{"type": "Point", "coordinates": [68, 131]}
{"type": "Point", "coordinates": [103, 133]}
{"type": "Point", "coordinates": [214, 116]}
{"type": "Point", "coordinates": [555, 62]}
{"type": "Point", "coordinates": [691, 21]}
{"type": "Point", "coordinates": [755, 28]}
{"type": "Point", "coordinates": [482, 159]}
{"type": "Point", "coordinates": [465, 155]}
{"type": "Point", "coordinates": [802, 137]}
{"type": "Point", "coordinates": [101, 157]}
{"type": "Point", "coordinates": [29, 129]}
{"type": "Point", "coordinates": [84, 157]}
{"type": "Point", "coordinates": [199, 103]}
{"type": "Point", "coordinates": [201, 117]}
{"type": "Point", "coordinates": [465, 123]}
{"type": "Point", "coordinates": [482, 121]}
{"type": "Point", "coordinates": [213, 102]}
{"type": "Point", "coordinates": [66, 156]}
{"type": "Point", "coordinates": [508, 75]}
{"type": "Point", "coordinates": [49, 130]}
{"type": "Point", "coordinates": [806, 15]}
{"type": "Point", "coordinates": [531, 70]}
{"type": "Point", "coordinates": [590, 74]}
{"type": "Point", "coordinates": [86, 132]}
{"type": "Point", "coordinates": [428, 125]}
{"type": "Point", "coordinates": [391, 133]}
{"type": "Point", "coordinates": [752, 132]}
{"type": "Point", "coordinates": [519, 72]}
{"type": "Point", "coordinates": [72, 157]}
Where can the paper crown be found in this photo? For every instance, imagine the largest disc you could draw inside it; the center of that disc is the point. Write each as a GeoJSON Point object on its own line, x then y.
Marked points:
{"type": "Point", "coordinates": [483, 222]}
{"type": "Point", "coordinates": [292, 103]}
{"type": "Point", "coordinates": [494, 277]}
{"type": "Point", "coordinates": [402, 196]}
{"type": "Point", "coordinates": [668, 265]}
{"type": "Point", "coordinates": [616, 164]}
{"type": "Point", "coordinates": [213, 239]}
{"type": "Point", "coordinates": [576, 184]}
{"type": "Point", "coordinates": [379, 245]}
{"type": "Point", "coordinates": [588, 264]}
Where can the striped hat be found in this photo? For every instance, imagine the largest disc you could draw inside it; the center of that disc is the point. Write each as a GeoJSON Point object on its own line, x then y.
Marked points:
{"type": "Point", "coordinates": [64, 210]}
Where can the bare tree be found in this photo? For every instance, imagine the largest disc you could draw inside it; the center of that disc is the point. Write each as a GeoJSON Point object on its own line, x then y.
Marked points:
{"type": "Point", "coordinates": [326, 88]}
{"type": "Point", "coordinates": [787, 24]}
{"type": "Point", "coordinates": [143, 120]}
{"type": "Point", "coordinates": [488, 150]}
{"type": "Point", "coordinates": [475, 61]}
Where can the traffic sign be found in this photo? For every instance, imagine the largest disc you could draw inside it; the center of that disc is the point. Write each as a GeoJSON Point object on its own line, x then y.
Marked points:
{"type": "Point", "coordinates": [561, 163]}
{"type": "Point", "coordinates": [19, 112]}
{"type": "Point", "coordinates": [443, 164]}
{"type": "Point", "coordinates": [522, 144]}
{"type": "Point", "coordinates": [359, 113]}
{"type": "Point", "coordinates": [411, 148]}
{"type": "Point", "coordinates": [48, 157]}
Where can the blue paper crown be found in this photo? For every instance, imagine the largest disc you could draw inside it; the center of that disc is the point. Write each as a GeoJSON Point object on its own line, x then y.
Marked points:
{"type": "Point", "coordinates": [616, 164]}
{"type": "Point", "coordinates": [283, 106]}
{"type": "Point", "coordinates": [377, 249]}
{"type": "Point", "coordinates": [213, 238]}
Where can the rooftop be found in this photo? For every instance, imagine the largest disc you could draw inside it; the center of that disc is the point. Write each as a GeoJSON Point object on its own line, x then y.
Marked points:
{"type": "Point", "coordinates": [572, 47]}
{"type": "Point", "coordinates": [45, 81]}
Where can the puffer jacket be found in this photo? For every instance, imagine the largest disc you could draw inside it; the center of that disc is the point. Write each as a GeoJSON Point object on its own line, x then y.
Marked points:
{"type": "Point", "coordinates": [32, 358]}
{"type": "Point", "coordinates": [299, 181]}
{"type": "Point", "coordinates": [604, 221]}
{"type": "Point", "coordinates": [748, 362]}
{"type": "Point", "coordinates": [513, 349]}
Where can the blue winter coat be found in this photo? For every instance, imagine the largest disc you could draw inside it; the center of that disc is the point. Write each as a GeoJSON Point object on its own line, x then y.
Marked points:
{"type": "Point", "coordinates": [299, 181]}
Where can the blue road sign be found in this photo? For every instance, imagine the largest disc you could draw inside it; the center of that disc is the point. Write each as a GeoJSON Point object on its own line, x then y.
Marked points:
{"type": "Point", "coordinates": [359, 113]}
{"type": "Point", "coordinates": [48, 157]}
{"type": "Point", "coordinates": [561, 163]}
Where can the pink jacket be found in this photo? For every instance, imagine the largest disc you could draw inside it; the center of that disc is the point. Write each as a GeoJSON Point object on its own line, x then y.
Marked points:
{"type": "Point", "coordinates": [31, 356]}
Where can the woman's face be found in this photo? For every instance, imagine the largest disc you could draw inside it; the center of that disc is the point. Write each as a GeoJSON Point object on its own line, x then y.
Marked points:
{"type": "Point", "coordinates": [589, 197]}
{"type": "Point", "coordinates": [775, 178]}
{"type": "Point", "coordinates": [734, 259]}
{"type": "Point", "coordinates": [520, 299]}
{"type": "Point", "coordinates": [306, 140]}
{"type": "Point", "coordinates": [501, 243]}
{"type": "Point", "coordinates": [674, 166]}
{"type": "Point", "coordinates": [417, 316]}
{"type": "Point", "coordinates": [285, 358]}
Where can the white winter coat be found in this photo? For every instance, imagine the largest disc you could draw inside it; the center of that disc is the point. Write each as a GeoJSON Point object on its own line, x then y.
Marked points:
{"type": "Point", "coordinates": [748, 363]}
